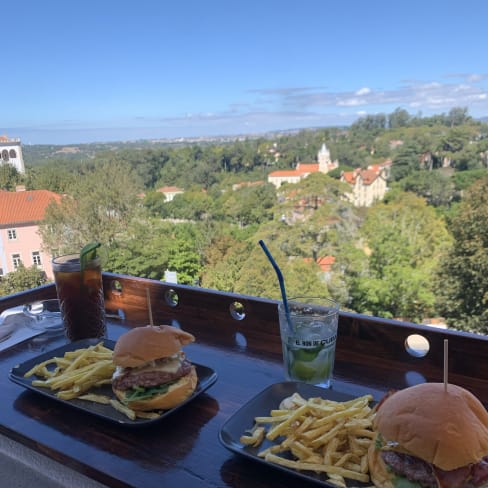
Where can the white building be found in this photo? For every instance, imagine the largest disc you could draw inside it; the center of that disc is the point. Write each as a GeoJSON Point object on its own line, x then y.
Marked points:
{"type": "Point", "coordinates": [302, 170]}
{"type": "Point", "coordinates": [11, 153]}
{"type": "Point", "coordinates": [367, 185]}
{"type": "Point", "coordinates": [170, 192]}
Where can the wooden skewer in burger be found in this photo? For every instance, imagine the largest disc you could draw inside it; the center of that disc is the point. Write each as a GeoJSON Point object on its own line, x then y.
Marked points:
{"type": "Point", "coordinates": [152, 372]}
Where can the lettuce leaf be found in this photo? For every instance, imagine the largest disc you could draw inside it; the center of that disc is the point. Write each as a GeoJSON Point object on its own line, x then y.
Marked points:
{"type": "Point", "coordinates": [143, 393]}
{"type": "Point", "coordinates": [401, 482]}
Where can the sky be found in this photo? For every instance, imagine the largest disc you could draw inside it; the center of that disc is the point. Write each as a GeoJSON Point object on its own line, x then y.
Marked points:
{"type": "Point", "coordinates": [82, 71]}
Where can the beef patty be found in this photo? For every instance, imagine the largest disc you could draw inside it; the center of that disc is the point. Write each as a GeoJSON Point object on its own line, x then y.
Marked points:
{"type": "Point", "coordinates": [133, 377]}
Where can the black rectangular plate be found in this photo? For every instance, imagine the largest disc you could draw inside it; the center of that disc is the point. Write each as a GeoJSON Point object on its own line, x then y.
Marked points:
{"type": "Point", "coordinates": [260, 406]}
{"type": "Point", "coordinates": [206, 378]}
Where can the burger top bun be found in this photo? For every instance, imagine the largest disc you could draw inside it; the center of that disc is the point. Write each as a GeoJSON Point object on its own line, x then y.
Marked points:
{"type": "Point", "coordinates": [447, 428]}
{"type": "Point", "coordinates": [143, 344]}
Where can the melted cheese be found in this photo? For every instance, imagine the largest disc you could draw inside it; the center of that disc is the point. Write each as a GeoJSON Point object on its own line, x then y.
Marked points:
{"type": "Point", "coordinates": [168, 365]}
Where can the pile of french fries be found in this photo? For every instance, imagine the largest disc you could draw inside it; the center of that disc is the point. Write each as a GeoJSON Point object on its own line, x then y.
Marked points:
{"type": "Point", "coordinates": [318, 435]}
{"type": "Point", "coordinates": [77, 372]}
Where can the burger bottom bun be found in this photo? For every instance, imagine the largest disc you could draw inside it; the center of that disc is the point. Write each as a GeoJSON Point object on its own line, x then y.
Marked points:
{"type": "Point", "coordinates": [379, 473]}
{"type": "Point", "coordinates": [176, 394]}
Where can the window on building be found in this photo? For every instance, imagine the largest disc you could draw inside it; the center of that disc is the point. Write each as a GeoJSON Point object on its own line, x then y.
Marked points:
{"type": "Point", "coordinates": [5, 155]}
{"type": "Point", "coordinates": [12, 153]}
{"type": "Point", "coordinates": [16, 260]}
{"type": "Point", "coordinates": [36, 258]}
{"type": "Point", "coordinates": [11, 234]}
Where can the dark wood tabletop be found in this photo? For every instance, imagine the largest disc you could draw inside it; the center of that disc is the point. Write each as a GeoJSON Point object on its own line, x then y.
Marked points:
{"type": "Point", "coordinates": [238, 337]}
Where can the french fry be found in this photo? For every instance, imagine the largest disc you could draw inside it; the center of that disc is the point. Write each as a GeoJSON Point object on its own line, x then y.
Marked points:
{"type": "Point", "coordinates": [255, 438]}
{"type": "Point", "coordinates": [280, 428]}
{"type": "Point", "coordinates": [76, 372]}
{"type": "Point", "coordinates": [123, 409]}
{"type": "Point", "coordinates": [319, 468]}
{"type": "Point", "coordinates": [147, 415]}
{"type": "Point", "coordinates": [92, 397]}
{"type": "Point", "coordinates": [318, 435]}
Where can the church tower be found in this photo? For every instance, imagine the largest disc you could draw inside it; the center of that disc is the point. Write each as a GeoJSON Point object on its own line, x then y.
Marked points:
{"type": "Point", "coordinates": [11, 153]}
{"type": "Point", "coordinates": [324, 159]}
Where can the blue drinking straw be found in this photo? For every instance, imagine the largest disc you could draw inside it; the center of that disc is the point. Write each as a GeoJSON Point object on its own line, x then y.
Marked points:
{"type": "Point", "coordinates": [280, 280]}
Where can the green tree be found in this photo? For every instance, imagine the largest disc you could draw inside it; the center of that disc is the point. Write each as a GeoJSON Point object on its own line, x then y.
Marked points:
{"type": "Point", "coordinates": [9, 177]}
{"type": "Point", "coordinates": [458, 116]}
{"type": "Point", "coordinates": [464, 179]}
{"type": "Point", "coordinates": [406, 160]}
{"type": "Point", "coordinates": [154, 201]}
{"type": "Point", "coordinates": [398, 118]}
{"type": "Point", "coordinates": [406, 239]}
{"type": "Point", "coordinates": [193, 204]}
{"type": "Point", "coordinates": [462, 281]}
{"type": "Point", "coordinates": [55, 176]}
{"type": "Point", "coordinates": [250, 205]}
{"type": "Point", "coordinates": [224, 259]}
{"type": "Point", "coordinates": [149, 247]}
{"type": "Point", "coordinates": [22, 279]}
{"type": "Point", "coordinates": [437, 188]}
{"type": "Point", "coordinates": [257, 276]}
{"type": "Point", "coordinates": [99, 205]}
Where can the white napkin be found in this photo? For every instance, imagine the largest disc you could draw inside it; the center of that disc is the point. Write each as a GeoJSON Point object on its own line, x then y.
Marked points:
{"type": "Point", "coordinates": [14, 329]}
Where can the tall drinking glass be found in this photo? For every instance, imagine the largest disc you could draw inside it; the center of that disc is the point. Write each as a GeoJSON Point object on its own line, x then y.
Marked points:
{"type": "Point", "coordinates": [80, 294]}
{"type": "Point", "coordinates": [308, 337]}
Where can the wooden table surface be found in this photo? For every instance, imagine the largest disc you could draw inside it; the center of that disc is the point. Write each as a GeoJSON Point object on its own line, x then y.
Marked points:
{"type": "Point", "coordinates": [238, 337]}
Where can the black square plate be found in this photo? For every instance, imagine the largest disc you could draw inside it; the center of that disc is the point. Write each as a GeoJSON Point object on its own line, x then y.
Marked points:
{"type": "Point", "coordinates": [260, 406]}
{"type": "Point", "coordinates": [206, 378]}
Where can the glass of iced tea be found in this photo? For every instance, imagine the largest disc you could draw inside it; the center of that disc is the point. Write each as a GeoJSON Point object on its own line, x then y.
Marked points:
{"type": "Point", "coordinates": [80, 294]}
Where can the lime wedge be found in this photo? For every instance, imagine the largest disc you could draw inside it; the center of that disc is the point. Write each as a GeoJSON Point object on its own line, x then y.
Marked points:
{"type": "Point", "coordinates": [306, 354]}
{"type": "Point", "coordinates": [302, 371]}
{"type": "Point", "coordinates": [88, 253]}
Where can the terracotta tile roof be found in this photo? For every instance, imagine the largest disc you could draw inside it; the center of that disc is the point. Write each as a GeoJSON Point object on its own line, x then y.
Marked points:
{"type": "Point", "coordinates": [349, 176]}
{"type": "Point", "coordinates": [244, 184]}
{"type": "Point", "coordinates": [286, 172]}
{"type": "Point", "coordinates": [169, 189]}
{"type": "Point", "coordinates": [368, 176]}
{"type": "Point", "coordinates": [326, 262]}
{"type": "Point", "coordinates": [375, 167]}
{"type": "Point", "coordinates": [379, 166]}
{"type": "Point", "coordinates": [24, 206]}
{"type": "Point", "coordinates": [308, 167]}
{"type": "Point", "coordinates": [301, 170]}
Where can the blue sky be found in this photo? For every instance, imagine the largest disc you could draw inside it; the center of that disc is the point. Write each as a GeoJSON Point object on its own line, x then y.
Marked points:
{"type": "Point", "coordinates": [105, 70]}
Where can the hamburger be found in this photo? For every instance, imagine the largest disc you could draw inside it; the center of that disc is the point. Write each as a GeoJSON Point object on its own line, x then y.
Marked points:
{"type": "Point", "coordinates": [152, 372]}
{"type": "Point", "coordinates": [430, 436]}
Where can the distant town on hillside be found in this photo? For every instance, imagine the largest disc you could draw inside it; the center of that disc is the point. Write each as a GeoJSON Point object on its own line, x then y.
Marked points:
{"type": "Point", "coordinates": [374, 215]}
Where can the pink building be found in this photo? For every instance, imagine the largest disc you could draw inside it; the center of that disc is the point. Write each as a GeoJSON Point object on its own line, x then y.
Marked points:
{"type": "Point", "coordinates": [20, 214]}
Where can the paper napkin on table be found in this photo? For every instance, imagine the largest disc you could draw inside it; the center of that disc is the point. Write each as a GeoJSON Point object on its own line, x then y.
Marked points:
{"type": "Point", "coordinates": [14, 328]}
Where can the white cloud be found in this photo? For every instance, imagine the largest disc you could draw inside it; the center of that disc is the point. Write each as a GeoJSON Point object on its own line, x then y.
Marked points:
{"type": "Point", "coordinates": [363, 91]}
{"type": "Point", "coordinates": [285, 108]}
{"type": "Point", "coordinates": [423, 95]}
